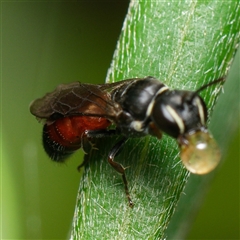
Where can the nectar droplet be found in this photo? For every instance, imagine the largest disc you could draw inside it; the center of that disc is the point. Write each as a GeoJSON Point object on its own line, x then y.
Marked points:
{"type": "Point", "coordinates": [200, 153]}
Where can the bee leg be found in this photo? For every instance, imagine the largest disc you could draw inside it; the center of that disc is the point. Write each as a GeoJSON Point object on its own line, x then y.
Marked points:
{"type": "Point", "coordinates": [87, 145]}
{"type": "Point", "coordinates": [119, 168]}
{"type": "Point", "coordinates": [85, 161]}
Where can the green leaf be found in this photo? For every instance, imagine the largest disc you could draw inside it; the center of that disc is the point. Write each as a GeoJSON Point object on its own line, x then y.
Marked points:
{"type": "Point", "coordinates": [185, 45]}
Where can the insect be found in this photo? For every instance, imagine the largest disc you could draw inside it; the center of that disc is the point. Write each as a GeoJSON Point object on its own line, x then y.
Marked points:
{"type": "Point", "coordinates": [75, 113]}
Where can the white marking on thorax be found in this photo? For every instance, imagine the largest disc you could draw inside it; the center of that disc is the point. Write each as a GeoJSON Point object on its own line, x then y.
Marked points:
{"type": "Point", "coordinates": [137, 126]}
{"type": "Point", "coordinates": [150, 106]}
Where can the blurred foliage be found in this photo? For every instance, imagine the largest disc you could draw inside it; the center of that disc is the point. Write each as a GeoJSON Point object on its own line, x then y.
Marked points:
{"type": "Point", "coordinates": [44, 44]}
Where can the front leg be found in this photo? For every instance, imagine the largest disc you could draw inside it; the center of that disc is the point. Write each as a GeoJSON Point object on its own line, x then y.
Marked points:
{"type": "Point", "coordinates": [112, 154]}
{"type": "Point", "coordinates": [119, 168]}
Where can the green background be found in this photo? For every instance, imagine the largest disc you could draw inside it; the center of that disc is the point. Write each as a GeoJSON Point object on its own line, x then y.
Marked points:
{"type": "Point", "coordinates": [44, 44]}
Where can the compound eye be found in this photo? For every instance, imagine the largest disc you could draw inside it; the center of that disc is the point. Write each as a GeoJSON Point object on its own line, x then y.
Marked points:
{"type": "Point", "coordinates": [199, 152]}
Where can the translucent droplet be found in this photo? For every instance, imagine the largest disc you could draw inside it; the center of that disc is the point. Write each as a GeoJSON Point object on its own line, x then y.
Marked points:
{"type": "Point", "coordinates": [200, 153]}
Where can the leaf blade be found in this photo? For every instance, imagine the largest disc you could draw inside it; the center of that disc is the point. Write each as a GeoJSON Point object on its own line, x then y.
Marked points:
{"type": "Point", "coordinates": [189, 47]}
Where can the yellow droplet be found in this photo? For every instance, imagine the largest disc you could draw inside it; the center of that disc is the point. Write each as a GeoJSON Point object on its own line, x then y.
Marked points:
{"type": "Point", "coordinates": [200, 154]}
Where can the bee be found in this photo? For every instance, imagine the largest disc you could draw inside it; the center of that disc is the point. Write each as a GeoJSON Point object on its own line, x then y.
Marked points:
{"type": "Point", "coordinates": [76, 113]}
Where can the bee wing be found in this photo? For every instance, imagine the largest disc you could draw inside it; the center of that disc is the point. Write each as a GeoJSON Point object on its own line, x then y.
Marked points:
{"type": "Point", "coordinates": [76, 99]}
{"type": "Point", "coordinates": [112, 86]}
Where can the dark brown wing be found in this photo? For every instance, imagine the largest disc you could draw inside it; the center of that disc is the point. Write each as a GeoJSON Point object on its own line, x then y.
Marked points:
{"type": "Point", "coordinates": [77, 99]}
{"type": "Point", "coordinates": [109, 87]}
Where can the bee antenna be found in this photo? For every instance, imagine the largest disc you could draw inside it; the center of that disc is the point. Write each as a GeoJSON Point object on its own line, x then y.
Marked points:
{"type": "Point", "coordinates": [221, 79]}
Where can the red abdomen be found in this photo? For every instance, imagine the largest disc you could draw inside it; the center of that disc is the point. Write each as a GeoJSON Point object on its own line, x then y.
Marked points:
{"type": "Point", "coordinates": [65, 135]}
